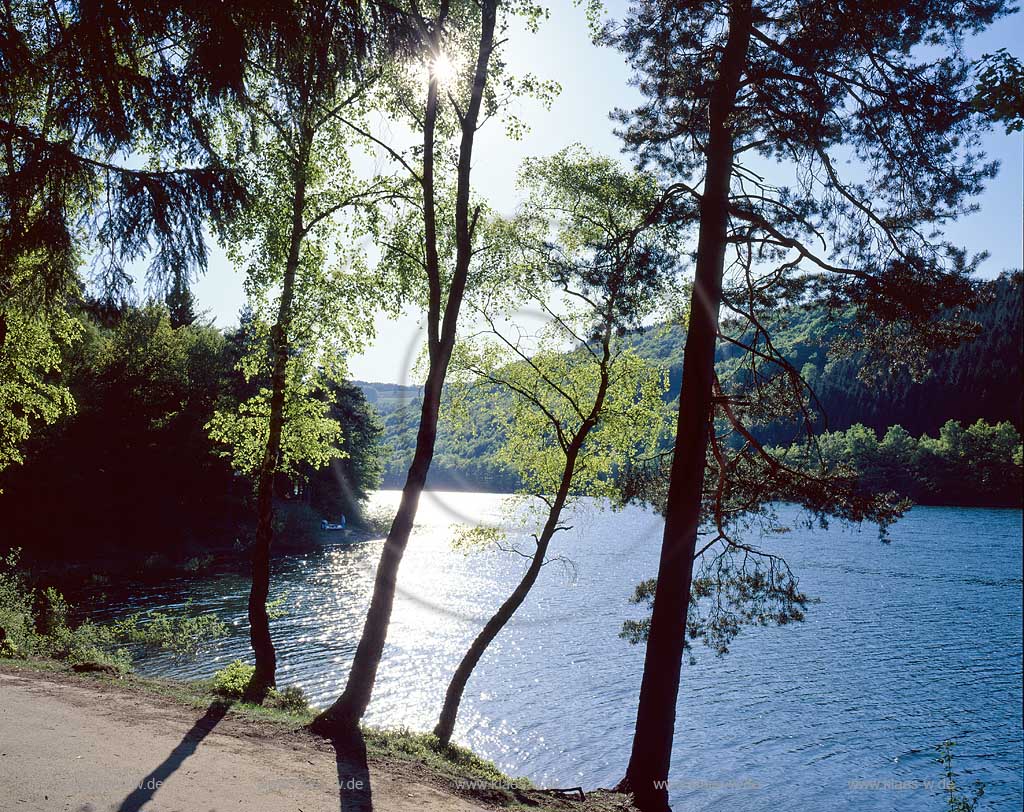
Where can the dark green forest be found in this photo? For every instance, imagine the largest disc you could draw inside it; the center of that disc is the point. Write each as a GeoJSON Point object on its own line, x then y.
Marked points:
{"type": "Point", "coordinates": [132, 469]}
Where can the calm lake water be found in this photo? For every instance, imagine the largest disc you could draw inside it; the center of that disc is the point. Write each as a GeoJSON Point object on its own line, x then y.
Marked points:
{"type": "Point", "coordinates": [913, 642]}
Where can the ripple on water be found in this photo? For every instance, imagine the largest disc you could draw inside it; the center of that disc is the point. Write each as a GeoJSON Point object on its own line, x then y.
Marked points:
{"type": "Point", "coordinates": [913, 643]}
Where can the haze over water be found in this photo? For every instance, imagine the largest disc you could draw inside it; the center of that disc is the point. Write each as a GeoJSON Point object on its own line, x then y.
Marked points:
{"type": "Point", "coordinates": [913, 642]}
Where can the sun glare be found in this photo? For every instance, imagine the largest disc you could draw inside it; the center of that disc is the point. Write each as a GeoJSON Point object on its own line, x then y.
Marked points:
{"type": "Point", "coordinates": [443, 68]}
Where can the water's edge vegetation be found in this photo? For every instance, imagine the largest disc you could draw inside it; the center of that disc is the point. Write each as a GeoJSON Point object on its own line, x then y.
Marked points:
{"type": "Point", "coordinates": [138, 474]}
{"type": "Point", "coordinates": [453, 768]}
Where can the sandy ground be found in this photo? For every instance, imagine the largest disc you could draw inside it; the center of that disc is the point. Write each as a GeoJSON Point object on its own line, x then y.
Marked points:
{"type": "Point", "coordinates": [74, 747]}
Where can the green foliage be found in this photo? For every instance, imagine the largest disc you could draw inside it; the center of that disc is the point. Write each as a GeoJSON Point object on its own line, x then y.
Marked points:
{"type": "Point", "coordinates": [965, 384]}
{"type": "Point", "coordinates": [575, 403]}
{"type": "Point", "coordinates": [277, 609]}
{"type": "Point", "coordinates": [346, 481]}
{"type": "Point", "coordinates": [956, 800]}
{"type": "Point", "coordinates": [464, 459]}
{"type": "Point", "coordinates": [82, 87]}
{"type": "Point", "coordinates": [975, 465]}
{"type": "Point", "coordinates": [425, 747]}
{"type": "Point", "coordinates": [134, 467]}
{"type": "Point", "coordinates": [290, 699]}
{"type": "Point", "coordinates": [32, 345]}
{"type": "Point", "coordinates": [631, 421]}
{"type": "Point", "coordinates": [17, 619]}
{"type": "Point", "coordinates": [232, 680]}
{"type": "Point", "coordinates": [1000, 89]}
{"type": "Point", "coordinates": [144, 391]}
{"type": "Point", "coordinates": [183, 635]}
{"type": "Point", "coordinates": [469, 538]}
{"type": "Point", "coordinates": [306, 283]}
{"type": "Point", "coordinates": [310, 437]}
{"type": "Point", "coordinates": [35, 623]}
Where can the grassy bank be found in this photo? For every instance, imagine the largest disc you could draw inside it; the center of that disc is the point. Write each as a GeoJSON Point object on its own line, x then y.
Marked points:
{"type": "Point", "coordinates": [453, 769]}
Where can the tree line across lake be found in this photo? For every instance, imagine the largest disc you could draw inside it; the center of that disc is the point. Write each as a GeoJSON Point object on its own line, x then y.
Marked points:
{"type": "Point", "coordinates": [952, 438]}
{"type": "Point", "coordinates": [134, 470]}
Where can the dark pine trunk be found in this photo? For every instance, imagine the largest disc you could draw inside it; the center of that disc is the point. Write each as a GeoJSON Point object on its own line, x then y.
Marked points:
{"type": "Point", "coordinates": [648, 770]}
{"type": "Point", "coordinates": [265, 675]}
{"type": "Point", "coordinates": [344, 715]}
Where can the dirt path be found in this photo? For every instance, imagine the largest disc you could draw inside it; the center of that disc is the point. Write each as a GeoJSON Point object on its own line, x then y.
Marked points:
{"type": "Point", "coordinates": [65, 746]}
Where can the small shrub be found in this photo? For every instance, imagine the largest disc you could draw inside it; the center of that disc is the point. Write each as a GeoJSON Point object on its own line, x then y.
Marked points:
{"type": "Point", "coordinates": [17, 619]}
{"type": "Point", "coordinates": [232, 680]}
{"type": "Point", "coordinates": [8, 648]}
{"type": "Point", "coordinates": [291, 699]}
{"type": "Point", "coordinates": [198, 564]}
{"type": "Point", "coordinates": [52, 616]}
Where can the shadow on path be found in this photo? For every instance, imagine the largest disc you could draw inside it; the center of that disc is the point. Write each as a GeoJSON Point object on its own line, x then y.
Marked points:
{"type": "Point", "coordinates": [152, 782]}
{"type": "Point", "coordinates": [353, 772]}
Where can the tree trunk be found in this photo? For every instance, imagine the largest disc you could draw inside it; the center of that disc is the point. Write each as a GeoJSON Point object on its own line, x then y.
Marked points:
{"type": "Point", "coordinates": [265, 675]}
{"type": "Point", "coordinates": [344, 715]}
{"type": "Point", "coordinates": [453, 696]}
{"type": "Point", "coordinates": [647, 773]}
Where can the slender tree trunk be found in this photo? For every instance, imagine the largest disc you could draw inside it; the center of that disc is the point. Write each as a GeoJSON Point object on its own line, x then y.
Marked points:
{"type": "Point", "coordinates": [265, 675]}
{"type": "Point", "coordinates": [453, 696]}
{"type": "Point", "coordinates": [344, 715]}
{"type": "Point", "coordinates": [648, 770]}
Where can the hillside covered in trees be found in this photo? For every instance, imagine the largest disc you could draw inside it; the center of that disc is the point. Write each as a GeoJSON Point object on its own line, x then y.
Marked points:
{"type": "Point", "coordinates": [967, 385]}
{"type": "Point", "coordinates": [132, 467]}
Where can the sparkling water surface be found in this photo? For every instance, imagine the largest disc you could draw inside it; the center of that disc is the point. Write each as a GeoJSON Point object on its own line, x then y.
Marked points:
{"type": "Point", "coordinates": [912, 643]}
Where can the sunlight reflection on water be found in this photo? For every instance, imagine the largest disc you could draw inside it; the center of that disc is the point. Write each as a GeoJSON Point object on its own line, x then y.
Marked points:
{"type": "Point", "coordinates": [914, 642]}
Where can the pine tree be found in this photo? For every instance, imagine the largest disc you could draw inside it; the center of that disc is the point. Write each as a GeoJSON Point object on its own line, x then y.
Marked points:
{"type": "Point", "coordinates": [739, 90]}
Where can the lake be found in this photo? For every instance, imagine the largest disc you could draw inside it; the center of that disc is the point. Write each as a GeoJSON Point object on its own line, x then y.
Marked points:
{"type": "Point", "coordinates": [912, 643]}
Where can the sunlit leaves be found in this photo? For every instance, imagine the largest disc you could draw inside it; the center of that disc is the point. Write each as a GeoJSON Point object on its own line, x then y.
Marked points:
{"type": "Point", "coordinates": [581, 256]}
{"type": "Point", "coordinates": [470, 538]}
{"type": "Point", "coordinates": [31, 393]}
{"type": "Point", "coordinates": [309, 436]}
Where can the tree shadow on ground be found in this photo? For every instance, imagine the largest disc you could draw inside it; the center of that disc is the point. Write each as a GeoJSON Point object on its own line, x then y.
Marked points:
{"type": "Point", "coordinates": [353, 772]}
{"type": "Point", "coordinates": [148, 786]}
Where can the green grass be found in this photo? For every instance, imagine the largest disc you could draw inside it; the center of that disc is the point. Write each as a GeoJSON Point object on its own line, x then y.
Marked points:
{"type": "Point", "coordinates": [452, 762]}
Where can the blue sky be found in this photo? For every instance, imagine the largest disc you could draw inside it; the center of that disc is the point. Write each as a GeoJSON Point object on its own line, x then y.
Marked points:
{"type": "Point", "coordinates": [594, 81]}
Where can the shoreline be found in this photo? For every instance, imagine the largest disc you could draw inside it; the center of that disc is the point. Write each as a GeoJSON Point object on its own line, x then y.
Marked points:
{"type": "Point", "coordinates": [402, 769]}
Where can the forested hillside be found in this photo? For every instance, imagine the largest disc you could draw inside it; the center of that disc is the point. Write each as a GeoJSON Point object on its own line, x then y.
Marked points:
{"type": "Point", "coordinates": [977, 381]}
{"type": "Point", "coordinates": [133, 468]}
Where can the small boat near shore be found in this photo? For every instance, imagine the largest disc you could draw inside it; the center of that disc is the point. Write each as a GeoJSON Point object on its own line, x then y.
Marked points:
{"type": "Point", "coordinates": [326, 525]}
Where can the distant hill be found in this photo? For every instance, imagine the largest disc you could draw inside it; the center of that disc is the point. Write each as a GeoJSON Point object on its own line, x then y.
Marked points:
{"type": "Point", "coordinates": [386, 397]}
{"type": "Point", "coordinates": [980, 379]}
